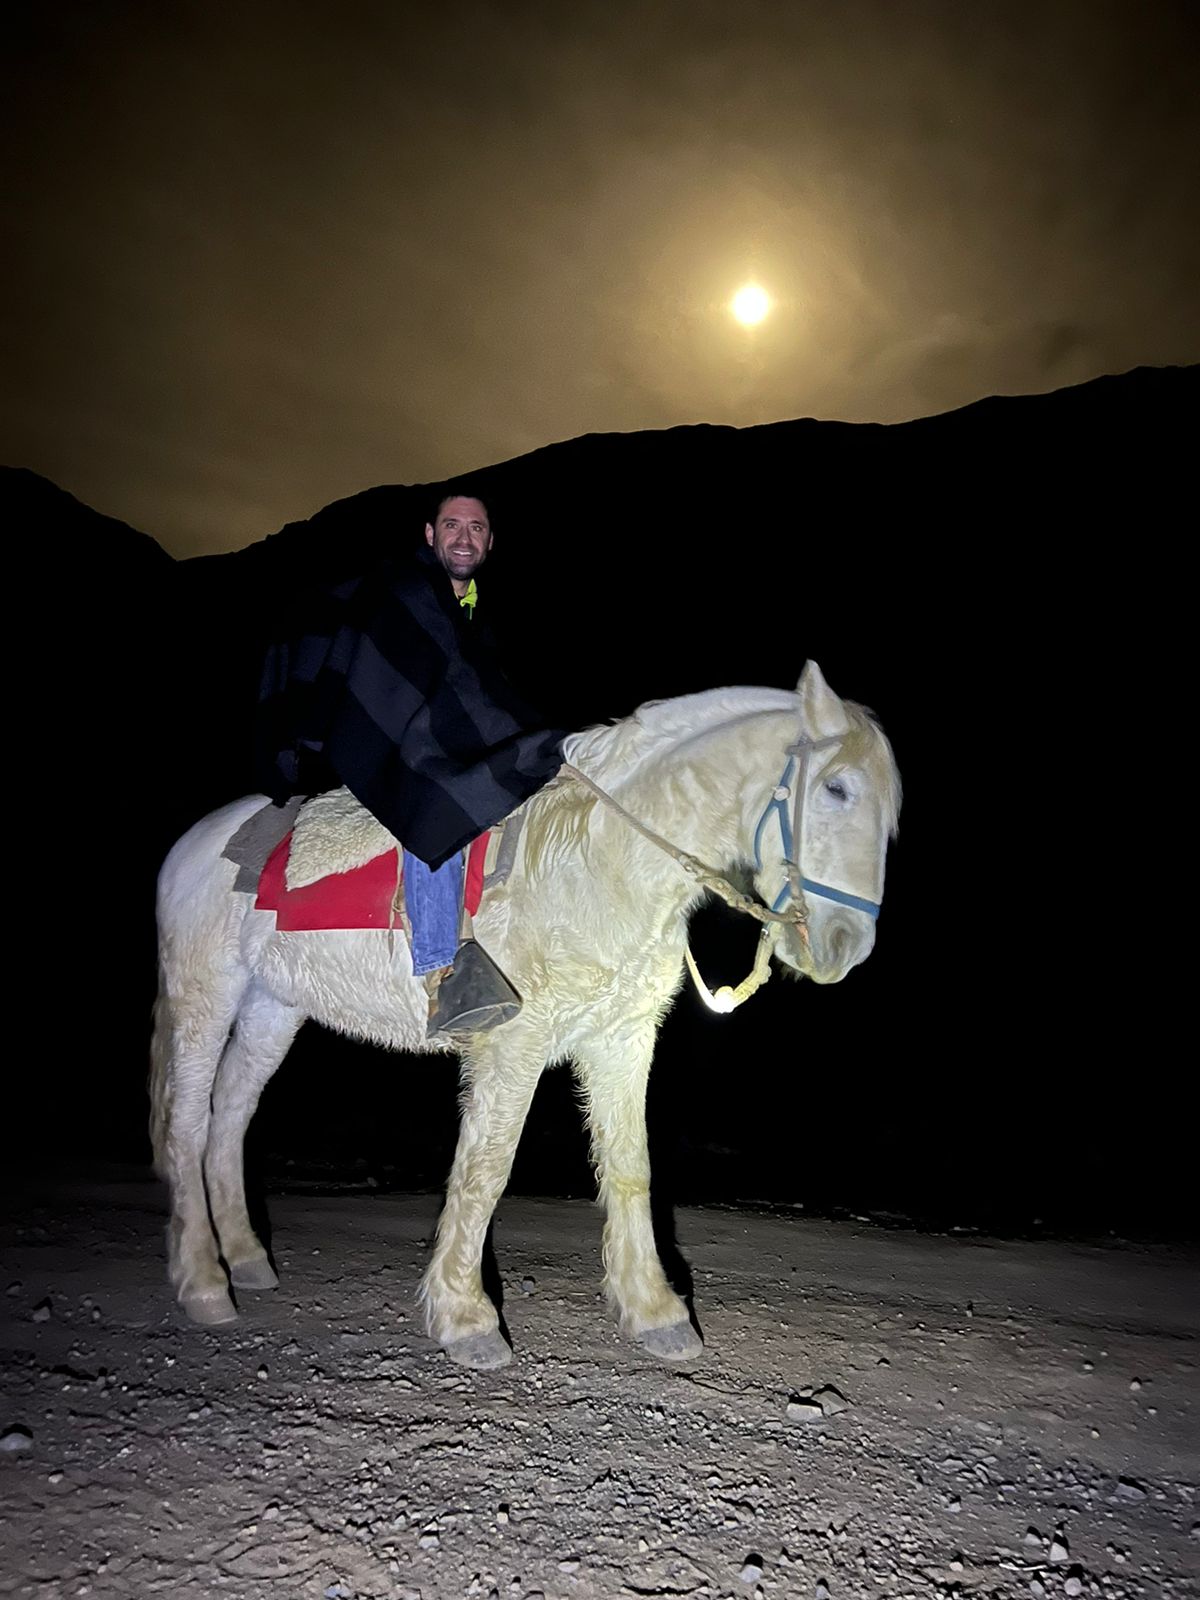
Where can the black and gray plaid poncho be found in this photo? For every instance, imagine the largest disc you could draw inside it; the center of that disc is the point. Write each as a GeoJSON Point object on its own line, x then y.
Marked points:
{"type": "Point", "coordinates": [392, 690]}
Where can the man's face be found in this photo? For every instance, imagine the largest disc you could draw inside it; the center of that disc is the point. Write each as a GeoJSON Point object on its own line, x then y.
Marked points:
{"type": "Point", "coordinates": [460, 538]}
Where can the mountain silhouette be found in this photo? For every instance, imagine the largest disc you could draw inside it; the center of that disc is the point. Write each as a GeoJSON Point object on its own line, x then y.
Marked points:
{"type": "Point", "coordinates": [1000, 584]}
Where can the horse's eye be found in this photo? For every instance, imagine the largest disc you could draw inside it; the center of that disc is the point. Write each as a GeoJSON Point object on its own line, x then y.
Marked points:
{"type": "Point", "coordinates": [837, 789]}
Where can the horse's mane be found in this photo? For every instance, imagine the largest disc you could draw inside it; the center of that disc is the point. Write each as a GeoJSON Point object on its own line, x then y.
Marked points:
{"type": "Point", "coordinates": [611, 753]}
{"type": "Point", "coordinates": [614, 751]}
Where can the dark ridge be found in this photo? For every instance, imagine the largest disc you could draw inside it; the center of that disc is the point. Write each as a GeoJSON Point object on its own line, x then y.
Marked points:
{"type": "Point", "coordinates": [1005, 585]}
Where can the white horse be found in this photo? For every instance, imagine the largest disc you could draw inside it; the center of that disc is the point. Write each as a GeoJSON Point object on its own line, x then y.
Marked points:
{"type": "Point", "coordinates": [591, 927]}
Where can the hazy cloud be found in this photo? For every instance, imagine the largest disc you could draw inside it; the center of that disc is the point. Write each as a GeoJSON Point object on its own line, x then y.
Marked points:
{"type": "Point", "coordinates": [263, 256]}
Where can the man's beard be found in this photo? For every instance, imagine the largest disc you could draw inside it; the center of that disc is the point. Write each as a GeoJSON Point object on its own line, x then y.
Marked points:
{"type": "Point", "coordinates": [462, 566]}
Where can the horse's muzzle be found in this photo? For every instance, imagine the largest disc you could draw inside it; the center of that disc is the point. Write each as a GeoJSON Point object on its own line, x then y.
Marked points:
{"type": "Point", "coordinates": [833, 946]}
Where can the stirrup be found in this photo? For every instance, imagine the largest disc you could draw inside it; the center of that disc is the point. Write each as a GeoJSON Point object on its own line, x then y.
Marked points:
{"type": "Point", "coordinates": [474, 996]}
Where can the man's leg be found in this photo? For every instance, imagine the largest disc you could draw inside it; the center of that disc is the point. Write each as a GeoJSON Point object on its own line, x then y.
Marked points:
{"type": "Point", "coordinates": [473, 995]}
{"type": "Point", "coordinates": [433, 900]}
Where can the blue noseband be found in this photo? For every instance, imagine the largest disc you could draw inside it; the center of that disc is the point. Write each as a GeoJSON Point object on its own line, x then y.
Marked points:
{"type": "Point", "coordinates": [778, 804]}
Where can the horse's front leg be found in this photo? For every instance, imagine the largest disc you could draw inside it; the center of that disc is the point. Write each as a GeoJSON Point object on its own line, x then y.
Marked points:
{"type": "Point", "coordinates": [500, 1073]}
{"type": "Point", "coordinates": [613, 1077]}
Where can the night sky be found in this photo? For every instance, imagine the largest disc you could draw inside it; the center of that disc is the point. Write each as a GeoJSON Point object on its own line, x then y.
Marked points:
{"type": "Point", "coordinates": [263, 256]}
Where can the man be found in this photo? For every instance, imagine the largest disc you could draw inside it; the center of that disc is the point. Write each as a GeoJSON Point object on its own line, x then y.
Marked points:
{"type": "Point", "coordinates": [393, 690]}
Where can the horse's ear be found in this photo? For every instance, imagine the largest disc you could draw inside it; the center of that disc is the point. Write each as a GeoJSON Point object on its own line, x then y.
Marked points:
{"type": "Point", "coordinates": [824, 715]}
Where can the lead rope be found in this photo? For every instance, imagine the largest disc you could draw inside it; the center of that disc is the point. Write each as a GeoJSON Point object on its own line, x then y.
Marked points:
{"type": "Point", "coordinates": [705, 876]}
{"type": "Point", "coordinates": [725, 999]}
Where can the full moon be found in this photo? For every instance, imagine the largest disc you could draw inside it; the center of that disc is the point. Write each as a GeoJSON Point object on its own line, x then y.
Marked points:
{"type": "Point", "coordinates": [750, 304]}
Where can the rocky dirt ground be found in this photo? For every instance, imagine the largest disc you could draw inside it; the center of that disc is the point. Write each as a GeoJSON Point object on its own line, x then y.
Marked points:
{"type": "Point", "coordinates": [878, 1413]}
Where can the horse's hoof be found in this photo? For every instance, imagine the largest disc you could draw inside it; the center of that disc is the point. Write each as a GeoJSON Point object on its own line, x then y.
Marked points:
{"type": "Point", "coordinates": [210, 1309]}
{"type": "Point", "coordinates": [257, 1273]}
{"type": "Point", "coordinates": [679, 1342]}
{"type": "Point", "coordinates": [481, 1351]}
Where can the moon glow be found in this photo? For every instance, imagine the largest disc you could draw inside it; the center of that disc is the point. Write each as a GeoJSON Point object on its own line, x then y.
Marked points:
{"type": "Point", "coordinates": [750, 304]}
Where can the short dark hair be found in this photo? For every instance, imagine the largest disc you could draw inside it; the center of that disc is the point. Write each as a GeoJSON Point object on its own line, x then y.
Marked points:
{"type": "Point", "coordinates": [458, 491]}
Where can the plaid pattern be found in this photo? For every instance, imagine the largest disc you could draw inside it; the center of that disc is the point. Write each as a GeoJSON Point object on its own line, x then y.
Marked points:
{"type": "Point", "coordinates": [393, 691]}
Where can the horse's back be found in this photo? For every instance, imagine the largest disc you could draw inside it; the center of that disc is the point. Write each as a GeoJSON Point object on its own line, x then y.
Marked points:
{"type": "Point", "coordinates": [194, 867]}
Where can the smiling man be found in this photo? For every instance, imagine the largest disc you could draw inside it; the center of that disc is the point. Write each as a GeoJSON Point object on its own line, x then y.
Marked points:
{"type": "Point", "coordinates": [390, 687]}
{"type": "Point", "coordinates": [460, 536]}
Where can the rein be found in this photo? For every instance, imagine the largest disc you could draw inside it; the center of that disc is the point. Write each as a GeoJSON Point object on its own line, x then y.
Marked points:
{"type": "Point", "coordinates": [791, 836]}
{"type": "Point", "coordinates": [706, 877]}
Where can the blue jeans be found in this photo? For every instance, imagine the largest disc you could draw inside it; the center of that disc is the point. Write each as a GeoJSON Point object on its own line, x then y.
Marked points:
{"type": "Point", "coordinates": [433, 901]}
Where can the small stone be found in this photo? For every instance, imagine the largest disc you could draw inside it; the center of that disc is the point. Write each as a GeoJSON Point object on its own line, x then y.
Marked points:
{"type": "Point", "coordinates": [1073, 1587]}
{"type": "Point", "coordinates": [14, 1288]}
{"type": "Point", "coordinates": [956, 1563]}
{"type": "Point", "coordinates": [752, 1569]}
{"type": "Point", "coordinates": [502, 1513]}
{"type": "Point", "coordinates": [1059, 1550]}
{"type": "Point", "coordinates": [1032, 1536]}
{"type": "Point", "coordinates": [804, 1409]}
{"type": "Point", "coordinates": [822, 1591]}
{"type": "Point", "coordinates": [429, 1540]}
{"type": "Point", "coordinates": [954, 1503]}
{"type": "Point", "coordinates": [1135, 1384]}
{"type": "Point", "coordinates": [15, 1441]}
{"type": "Point", "coordinates": [261, 1373]}
{"type": "Point", "coordinates": [41, 1312]}
{"type": "Point", "coordinates": [1037, 1588]}
{"type": "Point", "coordinates": [571, 1564]}
{"type": "Point", "coordinates": [527, 1286]}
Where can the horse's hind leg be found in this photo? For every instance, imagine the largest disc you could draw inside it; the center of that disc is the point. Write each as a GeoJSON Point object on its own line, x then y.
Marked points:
{"type": "Point", "coordinates": [613, 1076]}
{"type": "Point", "coordinates": [500, 1075]}
{"type": "Point", "coordinates": [192, 1019]}
{"type": "Point", "coordinates": [262, 1036]}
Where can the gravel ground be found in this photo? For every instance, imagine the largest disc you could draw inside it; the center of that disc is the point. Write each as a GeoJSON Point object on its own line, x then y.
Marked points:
{"type": "Point", "coordinates": [877, 1413]}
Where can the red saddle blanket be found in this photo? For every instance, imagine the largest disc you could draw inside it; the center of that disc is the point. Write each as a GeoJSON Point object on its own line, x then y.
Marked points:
{"type": "Point", "coordinates": [359, 899]}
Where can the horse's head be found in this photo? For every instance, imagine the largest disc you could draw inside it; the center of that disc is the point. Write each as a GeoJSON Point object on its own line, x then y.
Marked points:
{"type": "Point", "coordinates": [821, 835]}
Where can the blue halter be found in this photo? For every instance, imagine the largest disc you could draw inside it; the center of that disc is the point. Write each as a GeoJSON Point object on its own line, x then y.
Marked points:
{"type": "Point", "coordinates": [777, 804]}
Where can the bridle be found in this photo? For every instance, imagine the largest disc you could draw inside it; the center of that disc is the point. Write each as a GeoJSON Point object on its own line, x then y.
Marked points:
{"type": "Point", "coordinates": [792, 785]}
{"type": "Point", "coordinates": [791, 831]}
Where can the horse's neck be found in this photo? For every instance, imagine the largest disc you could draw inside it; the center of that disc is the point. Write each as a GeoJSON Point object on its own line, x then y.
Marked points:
{"type": "Point", "coordinates": [696, 793]}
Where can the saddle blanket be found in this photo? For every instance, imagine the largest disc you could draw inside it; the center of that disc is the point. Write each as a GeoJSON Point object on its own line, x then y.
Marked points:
{"type": "Point", "coordinates": [363, 897]}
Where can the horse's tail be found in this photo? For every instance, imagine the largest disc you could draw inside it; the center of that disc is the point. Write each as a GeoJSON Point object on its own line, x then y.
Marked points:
{"type": "Point", "coordinates": [161, 1085]}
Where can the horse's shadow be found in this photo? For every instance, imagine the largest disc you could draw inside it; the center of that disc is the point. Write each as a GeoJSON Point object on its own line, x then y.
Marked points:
{"type": "Point", "coordinates": [493, 1283]}
{"type": "Point", "coordinates": [260, 1216]}
{"type": "Point", "coordinates": [679, 1273]}
{"type": "Point", "coordinates": [260, 1220]}
{"type": "Point", "coordinates": [662, 1216]}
